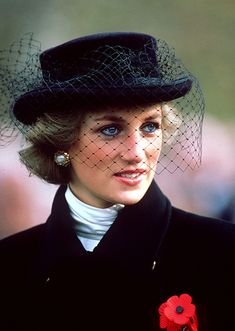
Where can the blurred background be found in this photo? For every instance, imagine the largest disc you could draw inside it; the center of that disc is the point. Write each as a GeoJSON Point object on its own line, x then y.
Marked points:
{"type": "Point", "coordinates": [202, 33]}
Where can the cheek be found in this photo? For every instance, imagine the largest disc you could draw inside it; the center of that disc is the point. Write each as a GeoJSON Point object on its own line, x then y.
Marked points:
{"type": "Point", "coordinates": [96, 155]}
{"type": "Point", "coordinates": [153, 149]}
{"type": "Point", "coordinates": [152, 159]}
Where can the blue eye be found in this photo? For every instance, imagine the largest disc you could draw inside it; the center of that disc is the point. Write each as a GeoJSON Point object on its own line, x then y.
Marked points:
{"type": "Point", "coordinates": [110, 131]}
{"type": "Point", "coordinates": [151, 127]}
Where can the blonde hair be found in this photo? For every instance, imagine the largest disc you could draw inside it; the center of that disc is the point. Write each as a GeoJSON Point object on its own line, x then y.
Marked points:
{"type": "Point", "coordinates": [171, 122]}
{"type": "Point", "coordinates": [52, 132]}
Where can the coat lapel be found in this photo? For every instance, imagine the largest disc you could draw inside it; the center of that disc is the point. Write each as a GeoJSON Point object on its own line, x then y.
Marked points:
{"type": "Point", "coordinates": [133, 240]}
{"type": "Point", "coordinates": [137, 234]}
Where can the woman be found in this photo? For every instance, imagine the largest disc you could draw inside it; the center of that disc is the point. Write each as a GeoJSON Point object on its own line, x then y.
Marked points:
{"type": "Point", "coordinates": [101, 115]}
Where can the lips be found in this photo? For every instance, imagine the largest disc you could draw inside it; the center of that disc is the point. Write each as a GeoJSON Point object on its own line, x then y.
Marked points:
{"type": "Point", "coordinates": [130, 173]}
{"type": "Point", "coordinates": [134, 175]}
{"type": "Point", "coordinates": [130, 177]}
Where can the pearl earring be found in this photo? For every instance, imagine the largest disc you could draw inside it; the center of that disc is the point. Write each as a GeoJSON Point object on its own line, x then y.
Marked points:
{"type": "Point", "coordinates": [62, 158]}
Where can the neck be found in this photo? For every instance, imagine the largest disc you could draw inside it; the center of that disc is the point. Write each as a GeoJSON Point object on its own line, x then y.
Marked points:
{"type": "Point", "coordinates": [90, 222]}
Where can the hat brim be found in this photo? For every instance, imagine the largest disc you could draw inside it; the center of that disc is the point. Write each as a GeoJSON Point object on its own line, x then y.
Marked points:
{"type": "Point", "coordinates": [31, 105]}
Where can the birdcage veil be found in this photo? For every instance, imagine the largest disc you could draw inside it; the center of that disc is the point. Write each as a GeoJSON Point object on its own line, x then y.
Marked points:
{"type": "Point", "coordinates": [19, 65]}
{"type": "Point", "coordinates": [103, 71]}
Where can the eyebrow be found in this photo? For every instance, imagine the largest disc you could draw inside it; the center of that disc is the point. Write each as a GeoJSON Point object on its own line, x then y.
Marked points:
{"type": "Point", "coordinates": [153, 117]}
{"type": "Point", "coordinates": [121, 119]}
{"type": "Point", "coordinates": [109, 118]}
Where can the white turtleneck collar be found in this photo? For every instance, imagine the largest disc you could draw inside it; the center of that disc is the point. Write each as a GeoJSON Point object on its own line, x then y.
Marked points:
{"type": "Point", "coordinates": [91, 223]}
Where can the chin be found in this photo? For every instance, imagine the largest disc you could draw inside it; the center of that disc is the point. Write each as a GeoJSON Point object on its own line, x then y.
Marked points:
{"type": "Point", "coordinates": [130, 198]}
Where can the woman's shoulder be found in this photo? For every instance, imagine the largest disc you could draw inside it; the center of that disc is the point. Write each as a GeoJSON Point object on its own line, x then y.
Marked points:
{"type": "Point", "coordinates": [202, 221]}
{"type": "Point", "coordinates": [204, 229]}
{"type": "Point", "coordinates": [22, 242]}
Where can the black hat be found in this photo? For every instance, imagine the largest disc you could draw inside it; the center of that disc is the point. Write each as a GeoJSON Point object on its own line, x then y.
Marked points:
{"type": "Point", "coordinates": [99, 69]}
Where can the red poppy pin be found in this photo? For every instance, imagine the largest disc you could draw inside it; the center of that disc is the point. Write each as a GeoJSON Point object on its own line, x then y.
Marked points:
{"type": "Point", "coordinates": [178, 314]}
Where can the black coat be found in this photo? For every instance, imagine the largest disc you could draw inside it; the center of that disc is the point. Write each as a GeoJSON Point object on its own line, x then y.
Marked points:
{"type": "Point", "coordinates": [49, 282]}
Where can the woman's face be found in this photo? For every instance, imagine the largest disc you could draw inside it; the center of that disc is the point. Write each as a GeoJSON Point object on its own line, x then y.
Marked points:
{"type": "Point", "coordinates": [115, 156]}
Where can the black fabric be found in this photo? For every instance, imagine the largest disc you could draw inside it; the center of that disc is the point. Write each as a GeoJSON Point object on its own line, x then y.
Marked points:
{"type": "Point", "coordinates": [112, 68]}
{"type": "Point", "coordinates": [50, 282]}
{"type": "Point", "coordinates": [70, 59]}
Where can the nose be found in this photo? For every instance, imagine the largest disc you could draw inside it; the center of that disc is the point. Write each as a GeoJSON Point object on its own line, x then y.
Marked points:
{"type": "Point", "coordinates": [133, 149]}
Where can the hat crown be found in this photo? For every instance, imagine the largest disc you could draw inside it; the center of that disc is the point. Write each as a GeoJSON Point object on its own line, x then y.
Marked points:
{"type": "Point", "coordinates": [80, 56]}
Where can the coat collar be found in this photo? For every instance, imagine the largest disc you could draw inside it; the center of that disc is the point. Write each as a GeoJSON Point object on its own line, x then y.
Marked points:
{"type": "Point", "coordinates": [133, 240]}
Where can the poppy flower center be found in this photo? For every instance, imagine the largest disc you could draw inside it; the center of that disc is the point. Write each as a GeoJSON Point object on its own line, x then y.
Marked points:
{"type": "Point", "coordinates": [179, 309]}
